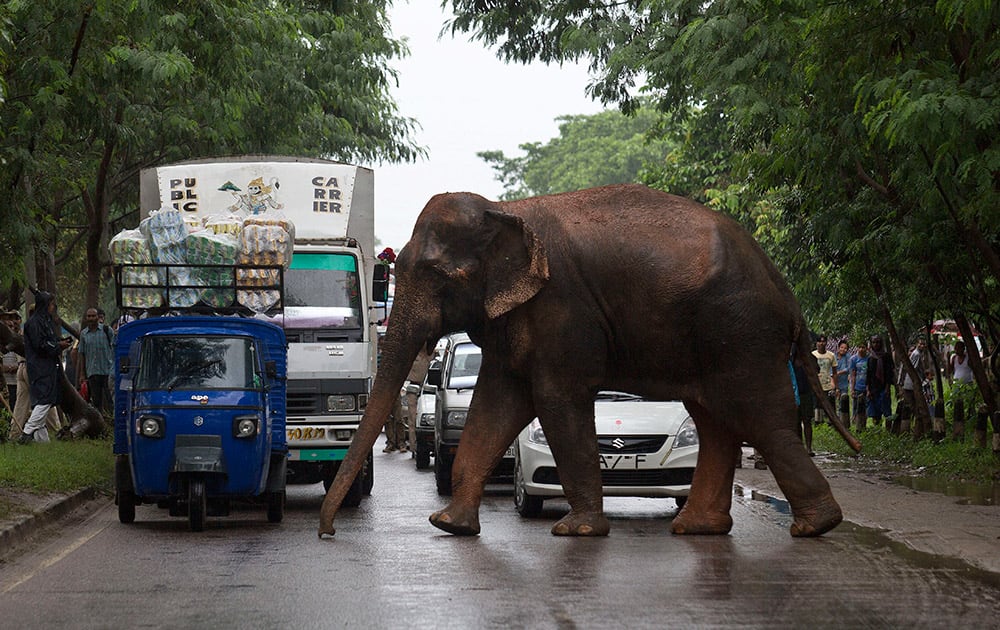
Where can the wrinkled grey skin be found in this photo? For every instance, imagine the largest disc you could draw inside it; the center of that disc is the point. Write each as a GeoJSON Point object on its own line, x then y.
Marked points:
{"type": "Point", "coordinates": [622, 288]}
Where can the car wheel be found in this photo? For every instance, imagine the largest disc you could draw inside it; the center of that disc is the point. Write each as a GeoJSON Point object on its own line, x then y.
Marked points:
{"type": "Point", "coordinates": [526, 504]}
{"type": "Point", "coordinates": [423, 457]}
{"type": "Point", "coordinates": [442, 475]}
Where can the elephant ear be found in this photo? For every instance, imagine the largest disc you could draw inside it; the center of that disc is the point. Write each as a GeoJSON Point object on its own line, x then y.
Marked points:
{"type": "Point", "coordinates": [516, 265]}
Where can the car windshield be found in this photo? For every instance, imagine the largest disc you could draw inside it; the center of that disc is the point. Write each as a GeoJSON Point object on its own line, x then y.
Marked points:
{"type": "Point", "coordinates": [327, 281]}
{"type": "Point", "coordinates": [617, 396]}
{"type": "Point", "coordinates": [181, 362]}
{"type": "Point", "coordinates": [465, 366]}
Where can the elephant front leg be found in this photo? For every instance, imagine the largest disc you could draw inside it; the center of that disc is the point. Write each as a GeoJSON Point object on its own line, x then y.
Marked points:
{"type": "Point", "coordinates": [500, 408]}
{"type": "Point", "coordinates": [569, 429]}
{"type": "Point", "coordinates": [711, 498]}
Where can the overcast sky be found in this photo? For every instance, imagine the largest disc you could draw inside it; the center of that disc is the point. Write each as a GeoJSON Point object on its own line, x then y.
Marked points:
{"type": "Point", "coordinates": [466, 101]}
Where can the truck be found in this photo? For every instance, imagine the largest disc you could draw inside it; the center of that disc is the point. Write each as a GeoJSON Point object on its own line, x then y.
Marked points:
{"type": "Point", "coordinates": [330, 288]}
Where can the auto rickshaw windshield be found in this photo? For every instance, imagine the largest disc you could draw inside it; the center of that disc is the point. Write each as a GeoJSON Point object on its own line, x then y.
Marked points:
{"type": "Point", "coordinates": [179, 362]}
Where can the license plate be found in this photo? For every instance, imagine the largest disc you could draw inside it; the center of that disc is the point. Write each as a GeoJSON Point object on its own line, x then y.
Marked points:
{"type": "Point", "coordinates": [622, 462]}
{"type": "Point", "coordinates": [305, 433]}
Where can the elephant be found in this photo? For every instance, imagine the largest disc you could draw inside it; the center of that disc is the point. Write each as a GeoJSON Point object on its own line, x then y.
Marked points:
{"type": "Point", "coordinates": [622, 288]}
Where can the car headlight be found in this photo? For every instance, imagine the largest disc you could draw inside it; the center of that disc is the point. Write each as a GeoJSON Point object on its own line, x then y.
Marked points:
{"type": "Point", "coordinates": [245, 427]}
{"type": "Point", "coordinates": [340, 402]}
{"type": "Point", "coordinates": [455, 419]}
{"type": "Point", "coordinates": [150, 426]}
{"type": "Point", "coordinates": [687, 435]}
{"type": "Point", "coordinates": [535, 433]}
{"type": "Point", "coordinates": [427, 420]}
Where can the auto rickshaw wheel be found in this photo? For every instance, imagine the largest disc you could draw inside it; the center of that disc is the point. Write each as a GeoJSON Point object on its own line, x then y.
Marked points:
{"type": "Point", "coordinates": [197, 504]}
{"type": "Point", "coordinates": [276, 507]}
{"type": "Point", "coordinates": [126, 506]}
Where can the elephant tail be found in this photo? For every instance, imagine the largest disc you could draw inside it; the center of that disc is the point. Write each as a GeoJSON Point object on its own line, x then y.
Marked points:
{"type": "Point", "coordinates": [801, 350]}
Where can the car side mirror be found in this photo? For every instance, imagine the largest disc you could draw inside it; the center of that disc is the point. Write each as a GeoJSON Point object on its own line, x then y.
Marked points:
{"type": "Point", "coordinates": [434, 374]}
{"type": "Point", "coordinates": [124, 365]}
{"type": "Point", "coordinates": [380, 283]}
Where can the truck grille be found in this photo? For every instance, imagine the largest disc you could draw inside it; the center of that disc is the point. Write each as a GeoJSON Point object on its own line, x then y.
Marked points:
{"type": "Point", "coordinates": [304, 404]}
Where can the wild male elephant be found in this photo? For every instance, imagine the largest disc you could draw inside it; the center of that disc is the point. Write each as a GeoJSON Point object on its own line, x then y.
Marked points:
{"type": "Point", "coordinates": [619, 287]}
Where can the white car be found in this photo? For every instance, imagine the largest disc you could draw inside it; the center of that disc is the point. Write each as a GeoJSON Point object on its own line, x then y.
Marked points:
{"type": "Point", "coordinates": [647, 449]}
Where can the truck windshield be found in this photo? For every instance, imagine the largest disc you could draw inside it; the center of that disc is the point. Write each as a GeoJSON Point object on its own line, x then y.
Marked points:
{"type": "Point", "coordinates": [179, 362]}
{"type": "Point", "coordinates": [464, 369]}
{"type": "Point", "coordinates": [328, 283]}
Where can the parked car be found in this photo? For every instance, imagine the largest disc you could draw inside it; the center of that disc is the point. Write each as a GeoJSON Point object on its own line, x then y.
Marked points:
{"type": "Point", "coordinates": [647, 449]}
{"type": "Point", "coordinates": [454, 380]}
{"type": "Point", "coordinates": [424, 429]}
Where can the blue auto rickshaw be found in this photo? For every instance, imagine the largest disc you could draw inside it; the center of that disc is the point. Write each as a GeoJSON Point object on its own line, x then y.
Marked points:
{"type": "Point", "coordinates": [200, 416]}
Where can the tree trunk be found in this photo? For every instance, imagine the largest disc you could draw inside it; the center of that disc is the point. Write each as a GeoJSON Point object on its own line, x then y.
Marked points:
{"type": "Point", "coordinates": [979, 372]}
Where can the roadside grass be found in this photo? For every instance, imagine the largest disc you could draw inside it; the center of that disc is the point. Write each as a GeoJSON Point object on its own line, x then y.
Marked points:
{"type": "Point", "coordinates": [56, 467]}
{"type": "Point", "coordinates": [948, 458]}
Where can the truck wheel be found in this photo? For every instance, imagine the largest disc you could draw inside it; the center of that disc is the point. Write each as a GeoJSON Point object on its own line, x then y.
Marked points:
{"type": "Point", "coordinates": [197, 504]}
{"type": "Point", "coordinates": [357, 489]}
{"type": "Point", "coordinates": [442, 475]}
{"type": "Point", "coordinates": [369, 474]}
{"type": "Point", "coordinates": [276, 507]}
{"type": "Point", "coordinates": [423, 457]}
{"type": "Point", "coordinates": [526, 505]}
{"type": "Point", "coordinates": [680, 502]}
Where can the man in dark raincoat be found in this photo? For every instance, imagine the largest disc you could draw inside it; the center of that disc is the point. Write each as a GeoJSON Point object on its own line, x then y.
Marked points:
{"type": "Point", "coordinates": [43, 351]}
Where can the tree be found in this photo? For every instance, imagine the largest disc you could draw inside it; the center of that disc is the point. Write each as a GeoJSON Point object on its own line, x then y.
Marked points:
{"type": "Point", "coordinates": [95, 92]}
{"type": "Point", "coordinates": [591, 150]}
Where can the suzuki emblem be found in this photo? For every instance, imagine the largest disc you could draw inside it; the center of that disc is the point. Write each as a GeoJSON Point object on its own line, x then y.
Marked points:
{"type": "Point", "coordinates": [618, 443]}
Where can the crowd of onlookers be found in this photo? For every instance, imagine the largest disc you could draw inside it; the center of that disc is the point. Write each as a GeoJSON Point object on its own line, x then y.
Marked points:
{"type": "Point", "coordinates": [35, 379]}
{"type": "Point", "coordinates": [860, 384]}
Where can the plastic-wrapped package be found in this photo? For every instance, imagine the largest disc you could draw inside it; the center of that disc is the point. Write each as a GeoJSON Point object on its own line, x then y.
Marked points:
{"type": "Point", "coordinates": [266, 239]}
{"type": "Point", "coordinates": [130, 247]}
{"type": "Point", "coordinates": [167, 236]}
{"type": "Point", "coordinates": [208, 248]}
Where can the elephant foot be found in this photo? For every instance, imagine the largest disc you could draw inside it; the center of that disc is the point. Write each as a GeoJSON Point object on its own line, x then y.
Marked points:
{"type": "Point", "coordinates": [712, 524]}
{"type": "Point", "coordinates": [816, 521]}
{"type": "Point", "coordinates": [452, 522]}
{"type": "Point", "coordinates": [582, 525]}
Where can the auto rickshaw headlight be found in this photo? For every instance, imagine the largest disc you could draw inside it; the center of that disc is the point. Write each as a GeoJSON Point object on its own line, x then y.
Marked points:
{"type": "Point", "coordinates": [150, 426]}
{"type": "Point", "coordinates": [245, 426]}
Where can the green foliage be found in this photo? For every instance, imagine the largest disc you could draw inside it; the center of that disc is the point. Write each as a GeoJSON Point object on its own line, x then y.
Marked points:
{"type": "Point", "coordinates": [57, 466]}
{"type": "Point", "coordinates": [950, 459]}
{"type": "Point", "coordinates": [596, 150]}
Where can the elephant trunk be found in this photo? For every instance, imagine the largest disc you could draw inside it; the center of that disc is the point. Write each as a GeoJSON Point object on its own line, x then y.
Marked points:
{"type": "Point", "coordinates": [402, 343]}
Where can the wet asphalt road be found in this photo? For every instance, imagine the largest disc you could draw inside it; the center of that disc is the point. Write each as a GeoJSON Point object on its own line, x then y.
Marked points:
{"type": "Point", "coordinates": [387, 567]}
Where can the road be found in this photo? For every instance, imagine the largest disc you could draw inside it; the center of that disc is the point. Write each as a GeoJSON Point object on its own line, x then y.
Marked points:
{"type": "Point", "coordinates": [387, 567]}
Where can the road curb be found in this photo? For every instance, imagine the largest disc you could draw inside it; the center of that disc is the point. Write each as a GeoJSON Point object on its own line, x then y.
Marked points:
{"type": "Point", "coordinates": [23, 530]}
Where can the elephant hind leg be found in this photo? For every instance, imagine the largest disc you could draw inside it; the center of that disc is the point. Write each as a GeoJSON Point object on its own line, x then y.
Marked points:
{"type": "Point", "coordinates": [707, 508]}
{"type": "Point", "coordinates": [814, 509]}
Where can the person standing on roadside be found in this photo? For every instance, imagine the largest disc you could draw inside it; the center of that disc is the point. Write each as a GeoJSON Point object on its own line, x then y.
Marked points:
{"type": "Point", "coordinates": [827, 362]}
{"type": "Point", "coordinates": [921, 362]}
{"type": "Point", "coordinates": [858, 378]}
{"type": "Point", "coordinates": [43, 350]}
{"type": "Point", "coordinates": [841, 378]}
{"type": "Point", "coordinates": [881, 374]}
{"type": "Point", "coordinates": [95, 359]}
{"type": "Point", "coordinates": [11, 360]}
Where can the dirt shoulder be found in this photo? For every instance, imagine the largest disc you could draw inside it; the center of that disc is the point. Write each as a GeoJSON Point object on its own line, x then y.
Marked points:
{"type": "Point", "coordinates": [926, 522]}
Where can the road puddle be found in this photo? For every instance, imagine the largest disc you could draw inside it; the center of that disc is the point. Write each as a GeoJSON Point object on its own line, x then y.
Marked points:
{"type": "Point", "coordinates": [967, 492]}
